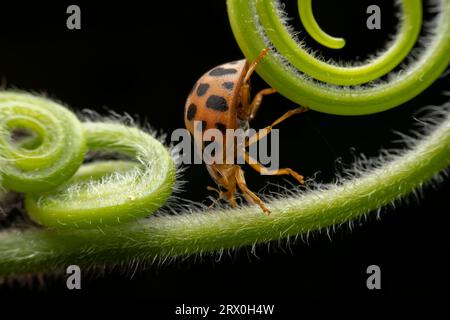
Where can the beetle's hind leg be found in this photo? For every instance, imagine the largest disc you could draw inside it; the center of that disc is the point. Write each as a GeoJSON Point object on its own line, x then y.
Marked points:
{"type": "Point", "coordinates": [256, 137]}
{"type": "Point", "coordinates": [277, 172]}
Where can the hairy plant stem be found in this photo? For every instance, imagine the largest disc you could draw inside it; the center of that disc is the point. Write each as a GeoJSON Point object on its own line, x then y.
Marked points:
{"type": "Point", "coordinates": [164, 236]}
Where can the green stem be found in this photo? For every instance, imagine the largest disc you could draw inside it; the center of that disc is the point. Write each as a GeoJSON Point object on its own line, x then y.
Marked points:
{"type": "Point", "coordinates": [258, 24]}
{"type": "Point", "coordinates": [165, 236]}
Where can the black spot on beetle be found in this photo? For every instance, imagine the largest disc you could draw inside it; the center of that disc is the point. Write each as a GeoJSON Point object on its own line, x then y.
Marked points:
{"type": "Point", "coordinates": [228, 85]}
{"type": "Point", "coordinates": [222, 71]}
{"type": "Point", "coordinates": [217, 103]}
{"type": "Point", "coordinates": [221, 127]}
{"type": "Point", "coordinates": [202, 88]}
{"type": "Point", "coordinates": [191, 111]}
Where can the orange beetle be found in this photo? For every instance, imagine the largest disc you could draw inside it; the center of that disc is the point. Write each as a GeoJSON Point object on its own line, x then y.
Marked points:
{"type": "Point", "coordinates": [221, 99]}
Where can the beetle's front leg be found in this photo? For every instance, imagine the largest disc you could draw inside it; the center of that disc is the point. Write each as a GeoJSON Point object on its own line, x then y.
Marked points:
{"type": "Point", "coordinates": [257, 100]}
{"type": "Point", "coordinates": [249, 109]}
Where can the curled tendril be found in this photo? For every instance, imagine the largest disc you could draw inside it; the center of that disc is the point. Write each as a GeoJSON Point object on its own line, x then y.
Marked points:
{"type": "Point", "coordinates": [294, 71]}
{"type": "Point", "coordinates": [313, 28]}
{"type": "Point", "coordinates": [46, 166]}
{"type": "Point", "coordinates": [109, 192]}
{"type": "Point", "coordinates": [52, 147]}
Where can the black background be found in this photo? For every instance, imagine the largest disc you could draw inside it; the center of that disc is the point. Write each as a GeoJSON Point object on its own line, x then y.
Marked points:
{"type": "Point", "coordinates": [143, 60]}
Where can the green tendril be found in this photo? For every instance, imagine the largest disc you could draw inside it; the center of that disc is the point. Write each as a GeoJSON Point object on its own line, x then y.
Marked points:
{"type": "Point", "coordinates": [313, 28]}
{"type": "Point", "coordinates": [258, 24]}
{"type": "Point", "coordinates": [48, 147]}
{"type": "Point", "coordinates": [45, 165]}
{"type": "Point", "coordinates": [109, 192]}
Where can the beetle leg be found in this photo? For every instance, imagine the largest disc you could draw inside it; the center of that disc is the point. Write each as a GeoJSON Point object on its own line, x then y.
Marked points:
{"type": "Point", "coordinates": [256, 102]}
{"type": "Point", "coordinates": [249, 109]}
{"type": "Point", "coordinates": [254, 138]}
{"type": "Point", "coordinates": [231, 198]}
{"type": "Point", "coordinates": [248, 194]}
{"type": "Point", "coordinates": [278, 172]}
{"type": "Point", "coordinates": [245, 89]}
{"type": "Point", "coordinates": [253, 65]}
